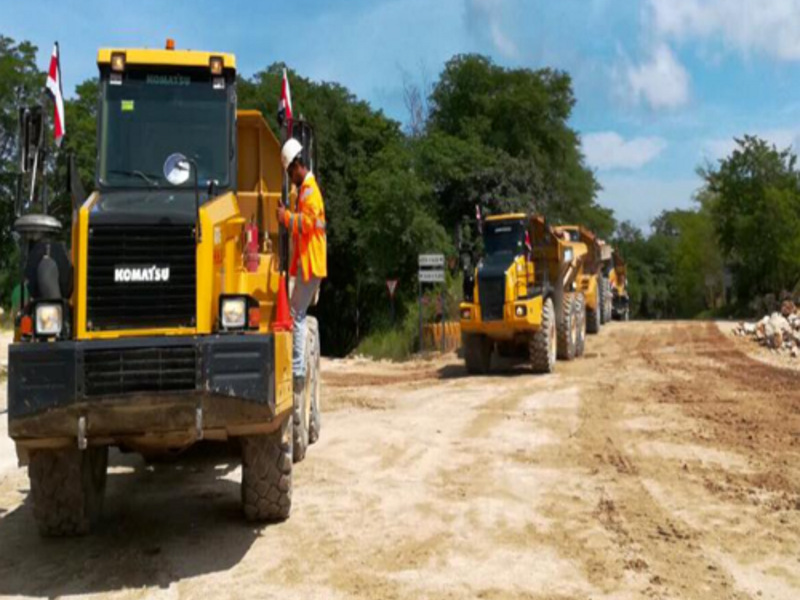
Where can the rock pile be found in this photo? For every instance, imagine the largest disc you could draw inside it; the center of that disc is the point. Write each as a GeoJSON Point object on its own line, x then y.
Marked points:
{"type": "Point", "coordinates": [779, 331]}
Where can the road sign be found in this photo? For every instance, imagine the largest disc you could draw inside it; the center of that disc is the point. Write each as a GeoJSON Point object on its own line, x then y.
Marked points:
{"type": "Point", "coordinates": [391, 285]}
{"type": "Point", "coordinates": [431, 260]}
{"type": "Point", "coordinates": [432, 276]}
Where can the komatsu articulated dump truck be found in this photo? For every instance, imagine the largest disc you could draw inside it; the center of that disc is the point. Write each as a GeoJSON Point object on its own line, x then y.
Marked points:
{"type": "Point", "coordinates": [155, 327]}
{"type": "Point", "coordinates": [593, 279]}
{"type": "Point", "coordinates": [522, 297]}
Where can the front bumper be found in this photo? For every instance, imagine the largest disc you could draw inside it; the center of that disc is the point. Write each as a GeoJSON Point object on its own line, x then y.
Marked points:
{"type": "Point", "coordinates": [142, 386]}
{"type": "Point", "coordinates": [511, 325]}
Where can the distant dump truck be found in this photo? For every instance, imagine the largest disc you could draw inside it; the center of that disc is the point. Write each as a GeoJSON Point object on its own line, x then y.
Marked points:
{"type": "Point", "coordinates": [522, 298]}
{"type": "Point", "coordinates": [619, 288]}
{"type": "Point", "coordinates": [156, 326]}
{"type": "Point", "coordinates": [593, 280]}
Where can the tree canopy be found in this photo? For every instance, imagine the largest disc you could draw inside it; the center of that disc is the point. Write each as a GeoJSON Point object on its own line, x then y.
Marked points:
{"type": "Point", "coordinates": [495, 137]}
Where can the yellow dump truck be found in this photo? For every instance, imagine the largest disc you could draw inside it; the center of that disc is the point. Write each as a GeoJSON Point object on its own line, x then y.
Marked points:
{"type": "Point", "coordinates": [521, 299]}
{"type": "Point", "coordinates": [593, 279]}
{"type": "Point", "coordinates": [156, 328]}
{"type": "Point", "coordinates": [618, 278]}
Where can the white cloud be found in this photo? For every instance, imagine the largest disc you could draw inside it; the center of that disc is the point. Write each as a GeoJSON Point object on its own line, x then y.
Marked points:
{"type": "Point", "coordinates": [662, 82]}
{"type": "Point", "coordinates": [771, 27]}
{"type": "Point", "coordinates": [485, 18]}
{"type": "Point", "coordinates": [608, 150]}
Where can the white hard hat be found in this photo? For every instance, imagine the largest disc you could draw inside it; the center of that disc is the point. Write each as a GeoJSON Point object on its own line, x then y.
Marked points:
{"type": "Point", "coordinates": [291, 150]}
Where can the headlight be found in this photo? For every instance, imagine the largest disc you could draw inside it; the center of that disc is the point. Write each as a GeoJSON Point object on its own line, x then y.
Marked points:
{"type": "Point", "coordinates": [568, 255]}
{"type": "Point", "coordinates": [521, 311]}
{"type": "Point", "coordinates": [233, 313]}
{"type": "Point", "coordinates": [466, 314]}
{"type": "Point", "coordinates": [49, 320]}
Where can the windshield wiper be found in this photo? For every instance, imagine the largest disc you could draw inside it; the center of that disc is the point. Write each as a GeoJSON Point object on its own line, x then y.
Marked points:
{"type": "Point", "coordinates": [150, 179]}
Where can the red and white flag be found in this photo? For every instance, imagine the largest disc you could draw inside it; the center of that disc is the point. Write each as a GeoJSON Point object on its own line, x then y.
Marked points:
{"type": "Point", "coordinates": [285, 105]}
{"type": "Point", "coordinates": [54, 89]}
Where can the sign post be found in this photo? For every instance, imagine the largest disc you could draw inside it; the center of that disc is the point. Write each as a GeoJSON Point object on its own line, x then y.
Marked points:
{"type": "Point", "coordinates": [431, 270]}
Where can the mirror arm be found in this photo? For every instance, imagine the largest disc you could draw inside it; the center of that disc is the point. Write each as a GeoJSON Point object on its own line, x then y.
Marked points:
{"type": "Point", "coordinates": [197, 228]}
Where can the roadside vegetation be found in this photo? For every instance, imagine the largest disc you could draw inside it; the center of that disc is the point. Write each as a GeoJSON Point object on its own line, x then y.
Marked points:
{"type": "Point", "coordinates": [478, 136]}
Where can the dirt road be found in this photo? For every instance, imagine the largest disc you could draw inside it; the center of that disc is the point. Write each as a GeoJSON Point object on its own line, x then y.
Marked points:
{"type": "Point", "coordinates": [664, 465]}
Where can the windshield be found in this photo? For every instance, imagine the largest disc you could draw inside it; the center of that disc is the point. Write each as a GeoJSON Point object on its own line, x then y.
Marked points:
{"type": "Point", "coordinates": [504, 238]}
{"type": "Point", "coordinates": [151, 114]}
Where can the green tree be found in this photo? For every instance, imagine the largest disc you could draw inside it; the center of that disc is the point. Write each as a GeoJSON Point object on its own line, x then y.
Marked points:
{"type": "Point", "coordinates": [21, 84]}
{"type": "Point", "coordinates": [500, 137]}
{"type": "Point", "coordinates": [753, 197]}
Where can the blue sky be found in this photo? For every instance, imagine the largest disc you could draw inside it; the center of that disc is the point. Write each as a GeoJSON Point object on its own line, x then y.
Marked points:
{"type": "Point", "coordinates": [662, 85]}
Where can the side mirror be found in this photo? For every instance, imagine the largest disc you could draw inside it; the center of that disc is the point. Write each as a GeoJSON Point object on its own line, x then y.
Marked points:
{"type": "Point", "coordinates": [31, 136]}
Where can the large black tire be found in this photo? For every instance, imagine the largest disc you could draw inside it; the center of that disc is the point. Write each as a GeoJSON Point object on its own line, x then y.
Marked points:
{"type": "Point", "coordinates": [603, 296]}
{"type": "Point", "coordinates": [301, 418]}
{"type": "Point", "coordinates": [267, 475]}
{"type": "Point", "coordinates": [477, 353]}
{"type": "Point", "coordinates": [580, 315]}
{"type": "Point", "coordinates": [302, 407]}
{"type": "Point", "coordinates": [609, 301]}
{"type": "Point", "coordinates": [567, 329]}
{"type": "Point", "coordinates": [593, 316]}
{"type": "Point", "coordinates": [315, 425]}
{"type": "Point", "coordinates": [542, 346]}
{"type": "Point", "coordinates": [67, 489]}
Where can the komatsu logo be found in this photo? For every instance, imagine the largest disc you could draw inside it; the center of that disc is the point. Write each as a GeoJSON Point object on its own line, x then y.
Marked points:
{"type": "Point", "coordinates": [152, 274]}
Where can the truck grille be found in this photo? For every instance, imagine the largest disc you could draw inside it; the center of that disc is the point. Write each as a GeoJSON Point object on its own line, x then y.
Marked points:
{"type": "Point", "coordinates": [130, 370]}
{"type": "Point", "coordinates": [126, 283]}
{"type": "Point", "coordinates": [492, 291]}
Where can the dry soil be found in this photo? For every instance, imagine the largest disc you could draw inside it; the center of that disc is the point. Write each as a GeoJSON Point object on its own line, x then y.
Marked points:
{"type": "Point", "coordinates": [665, 464]}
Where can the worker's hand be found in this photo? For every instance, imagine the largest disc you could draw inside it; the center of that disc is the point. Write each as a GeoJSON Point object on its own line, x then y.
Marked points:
{"type": "Point", "coordinates": [281, 214]}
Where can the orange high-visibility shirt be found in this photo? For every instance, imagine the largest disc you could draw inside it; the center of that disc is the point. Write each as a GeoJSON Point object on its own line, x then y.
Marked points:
{"type": "Point", "coordinates": [307, 226]}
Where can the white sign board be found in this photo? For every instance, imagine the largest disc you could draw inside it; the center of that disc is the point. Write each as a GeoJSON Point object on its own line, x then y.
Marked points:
{"type": "Point", "coordinates": [432, 276]}
{"type": "Point", "coordinates": [431, 260]}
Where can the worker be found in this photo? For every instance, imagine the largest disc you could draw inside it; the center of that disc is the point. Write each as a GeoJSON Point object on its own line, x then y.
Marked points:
{"type": "Point", "coordinates": [309, 262]}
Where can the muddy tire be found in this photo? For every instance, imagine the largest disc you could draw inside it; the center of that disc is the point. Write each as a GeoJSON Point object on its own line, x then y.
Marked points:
{"type": "Point", "coordinates": [580, 315]}
{"type": "Point", "coordinates": [608, 301]}
{"type": "Point", "coordinates": [567, 329]}
{"type": "Point", "coordinates": [301, 418]}
{"type": "Point", "coordinates": [302, 408]}
{"type": "Point", "coordinates": [542, 347]}
{"type": "Point", "coordinates": [67, 489]}
{"type": "Point", "coordinates": [593, 318]}
{"type": "Point", "coordinates": [314, 384]}
{"type": "Point", "coordinates": [267, 475]}
{"type": "Point", "coordinates": [477, 353]}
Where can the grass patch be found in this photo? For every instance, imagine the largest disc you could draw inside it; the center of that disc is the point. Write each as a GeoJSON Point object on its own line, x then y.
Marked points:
{"type": "Point", "coordinates": [388, 342]}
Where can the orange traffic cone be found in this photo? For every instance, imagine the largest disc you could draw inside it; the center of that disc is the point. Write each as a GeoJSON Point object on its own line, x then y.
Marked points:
{"type": "Point", "coordinates": [283, 318]}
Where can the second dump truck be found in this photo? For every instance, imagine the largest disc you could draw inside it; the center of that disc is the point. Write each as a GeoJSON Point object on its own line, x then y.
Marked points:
{"type": "Point", "coordinates": [593, 278]}
{"type": "Point", "coordinates": [522, 298]}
